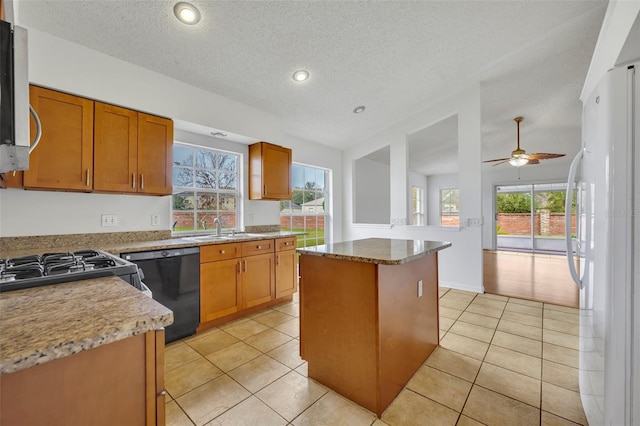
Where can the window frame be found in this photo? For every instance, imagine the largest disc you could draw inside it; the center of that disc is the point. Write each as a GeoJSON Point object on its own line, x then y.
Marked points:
{"type": "Point", "coordinates": [418, 205]}
{"type": "Point", "coordinates": [325, 193]}
{"type": "Point", "coordinates": [442, 203]}
{"type": "Point", "coordinates": [219, 193]}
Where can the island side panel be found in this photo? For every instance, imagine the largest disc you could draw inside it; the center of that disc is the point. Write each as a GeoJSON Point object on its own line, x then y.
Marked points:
{"type": "Point", "coordinates": [103, 386]}
{"type": "Point", "coordinates": [408, 323]}
{"type": "Point", "coordinates": [338, 326]}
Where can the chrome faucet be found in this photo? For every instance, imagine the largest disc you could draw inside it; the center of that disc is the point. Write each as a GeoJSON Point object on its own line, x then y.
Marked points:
{"type": "Point", "coordinates": [218, 226]}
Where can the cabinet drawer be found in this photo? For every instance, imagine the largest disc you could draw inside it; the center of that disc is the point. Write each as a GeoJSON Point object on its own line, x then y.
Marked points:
{"type": "Point", "coordinates": [251, 248]}
{"type": "Point", "coordinates": [219, 252]}
{"type": "Point", "coordinates": [288, 243]}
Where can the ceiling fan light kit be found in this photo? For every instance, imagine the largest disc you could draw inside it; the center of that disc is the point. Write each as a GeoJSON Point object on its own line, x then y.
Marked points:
{"type": "Point", "coordinates": [519, 157]}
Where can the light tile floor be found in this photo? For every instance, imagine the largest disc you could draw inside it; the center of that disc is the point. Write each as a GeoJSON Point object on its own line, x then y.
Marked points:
{"type": "Point", "coordinates": [501, 361]}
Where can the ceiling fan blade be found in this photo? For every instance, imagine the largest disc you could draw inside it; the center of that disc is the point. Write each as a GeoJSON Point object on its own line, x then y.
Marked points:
{"type": "Point", "coordinates": [532, 162]}
{"type": "Point", "coordinates": [504, 160]}
{"type": "Point", "coordinates": [544, 156]}
{"type": "Point", "coordinates": [497, 159]}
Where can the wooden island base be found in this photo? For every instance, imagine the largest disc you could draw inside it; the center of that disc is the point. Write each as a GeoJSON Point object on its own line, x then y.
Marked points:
{"type": "Point", "coordinates": [363, 329]}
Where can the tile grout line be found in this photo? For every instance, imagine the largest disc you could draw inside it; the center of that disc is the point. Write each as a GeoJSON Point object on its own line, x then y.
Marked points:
{"type": "Point", "coordinates": [235, 381]}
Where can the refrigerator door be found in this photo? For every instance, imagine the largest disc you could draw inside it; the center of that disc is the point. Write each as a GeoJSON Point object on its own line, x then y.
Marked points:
{"type": "Point", "coordinates": [606, 329]}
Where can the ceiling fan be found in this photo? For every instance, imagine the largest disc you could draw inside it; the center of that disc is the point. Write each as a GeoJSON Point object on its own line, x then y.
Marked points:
{"type": "Point", "coordinates": [519, 157]}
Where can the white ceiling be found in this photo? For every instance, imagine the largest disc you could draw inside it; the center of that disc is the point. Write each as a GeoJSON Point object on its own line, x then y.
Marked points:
{"type": "Point", "coordinates": [394, 57]}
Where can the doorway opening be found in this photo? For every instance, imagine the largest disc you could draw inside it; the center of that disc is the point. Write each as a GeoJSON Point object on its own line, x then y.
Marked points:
{"type": "Point", "coordinates": [529, 261]}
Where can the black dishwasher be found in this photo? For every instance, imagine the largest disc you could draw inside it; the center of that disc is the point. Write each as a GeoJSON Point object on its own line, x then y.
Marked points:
{"type": "Point", "coordinates": [173, 276]}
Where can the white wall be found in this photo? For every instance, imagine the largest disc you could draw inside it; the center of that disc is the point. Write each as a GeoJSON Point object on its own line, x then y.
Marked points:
{"type": "Point", "coordinates": [69, 67]}
{"type": "Point", "coordinates": [467, 241]}
{"type": "Point", "coordinates": [546, 172]}
{"type": "Point", "coordinates": [372, 192]}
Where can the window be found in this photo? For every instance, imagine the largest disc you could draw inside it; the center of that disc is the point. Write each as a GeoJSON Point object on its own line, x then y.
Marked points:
{"type": "Point", "coordinates": [309, 207]}
{"type": "Point", "coordinates": [206, 185]}
{"type": "Point", "coordinates": [449, 209]}
{"type": "Point", "coordinates": [417, 199]}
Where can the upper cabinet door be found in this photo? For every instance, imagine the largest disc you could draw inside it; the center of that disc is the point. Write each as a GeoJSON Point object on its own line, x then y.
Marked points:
{"type": "Point", "coordinates": [64, 157]}
{"type": "Point", "coordinates": [115, 149]}
{"type": "Point", "coordinates": [269, 172]}
{"type": "Point", "coordinates": [155, 144]}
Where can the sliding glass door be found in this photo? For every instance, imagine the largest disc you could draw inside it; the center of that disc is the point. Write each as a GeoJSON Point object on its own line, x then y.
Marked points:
{"type": "Point", "coordinates": [531, 217]}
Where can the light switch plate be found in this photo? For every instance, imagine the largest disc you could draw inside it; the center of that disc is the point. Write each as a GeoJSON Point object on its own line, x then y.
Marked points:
{"type": "Point", "coordinates": [155, 219]}
{"type": "Point", "coordinates": [419, 288]}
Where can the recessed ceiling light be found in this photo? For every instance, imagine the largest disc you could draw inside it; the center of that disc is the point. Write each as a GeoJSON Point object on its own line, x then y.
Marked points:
{"type": "Point", "coordinates": [219, 134]}
{"type": "Point", "coordinates": [359, 109]}
{"type": "Point", "coordinates": [186, 13]}
{"type": "Point", "coordinates": [301, 75]}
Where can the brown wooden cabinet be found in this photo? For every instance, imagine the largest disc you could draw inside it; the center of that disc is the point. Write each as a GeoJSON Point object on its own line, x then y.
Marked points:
{"type": "Point", "coordinates": [133, 151]}
{"type": "Point", "coordinates": [88, 146]}
{"type": "Point", "coordinates": [64, 157]}
{"type": "Point", "coordinates": [269, 172]}
{"type": "Point", "coordinates": [258, 274]}
{"type": "Point", "coordinates": [116, 148]}
{"type": "Point", "coordinates": [155, 154]}
{"type": "Point", "coordinates": [235, 277]}
{"type": "Point", "coordinates": [13, 179]}
{"type": "Point", "coordinates": [286, 267]}
{"type": "Point", "coordinates": [220, 289]}
{"type": "Point", "coordinates": [121, 383]}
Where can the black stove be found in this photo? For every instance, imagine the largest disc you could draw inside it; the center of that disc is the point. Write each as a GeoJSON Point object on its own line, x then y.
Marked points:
{"type": "Point", "coordinates": [55, 268]}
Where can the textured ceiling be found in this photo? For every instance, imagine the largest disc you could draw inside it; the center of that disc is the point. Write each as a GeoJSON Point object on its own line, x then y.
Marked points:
{"type": "Point", "coordinates": [395, 57]}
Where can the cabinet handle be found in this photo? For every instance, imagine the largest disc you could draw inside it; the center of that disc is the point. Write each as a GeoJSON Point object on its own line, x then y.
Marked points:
{"type": "Point", "coordinates": [277, 259]}
{"type": "Point", "coordinates": [259, 247]}
{"type": "Point", "coordinates": [221, 251]}
{"type": "Point", "coordinates": [141, 180]}
{"type": "Point", "coordinates": [245, 266]}
{"type": "Point", "coordinates": [239, 267]}
{"type": "Point", "coordinates": [133, 180]}
{"type": "Point", "coordinates": [163, 393]}
{"type": "Point", "coordinates": [88, 178]}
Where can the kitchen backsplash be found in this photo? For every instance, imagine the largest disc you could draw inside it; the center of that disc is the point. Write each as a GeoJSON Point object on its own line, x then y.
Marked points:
{"type": "Point", "coordinates": [45, 242]}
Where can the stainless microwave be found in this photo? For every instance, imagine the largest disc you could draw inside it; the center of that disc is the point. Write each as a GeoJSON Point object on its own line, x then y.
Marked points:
{"type": "Point", "coordinates": [14, 99]}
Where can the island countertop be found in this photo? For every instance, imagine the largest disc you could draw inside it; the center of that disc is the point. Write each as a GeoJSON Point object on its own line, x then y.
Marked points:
{"type": "Point", "coordinates": [41, 324]}
{"type": "Point", "coordinates": [383, 251]}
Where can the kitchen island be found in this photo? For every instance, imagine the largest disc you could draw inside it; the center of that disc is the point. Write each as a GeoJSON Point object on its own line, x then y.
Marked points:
{"type": "Point", "coordinates": [368, 315]}
{"type": "Point", "coordinates": [83, 352]}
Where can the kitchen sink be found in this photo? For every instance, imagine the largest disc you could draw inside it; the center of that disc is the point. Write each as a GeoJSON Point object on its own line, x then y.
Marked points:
{"type": "Point", "coordinates": [212, 237]}
{"type": "Point", "coordinates": [206, 238]}
{"type": "Point", "coordinates": [240, 236]}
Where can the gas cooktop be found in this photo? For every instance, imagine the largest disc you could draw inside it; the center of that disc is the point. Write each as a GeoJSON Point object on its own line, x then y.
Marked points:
{"type": "Point", "coordinates": [55, 268]}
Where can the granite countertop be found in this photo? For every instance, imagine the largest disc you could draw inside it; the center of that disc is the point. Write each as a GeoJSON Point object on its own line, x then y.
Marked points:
{"type": "Point", "coordinates": [381, 251]}
{"type": "Point", "coordinates": [193, 241]}
{"type": "Point", "coordinates": [41, 324]}
{"type": "Point", "coordinates": [69, 243]}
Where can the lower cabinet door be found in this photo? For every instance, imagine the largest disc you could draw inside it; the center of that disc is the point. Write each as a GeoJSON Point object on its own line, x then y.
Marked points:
{"type": "Point", "coordinates": [220, 292]}
{"type": "Point", "coordinates": [258, 279]}
{"type": "Point", "coordinates": [286, 273]}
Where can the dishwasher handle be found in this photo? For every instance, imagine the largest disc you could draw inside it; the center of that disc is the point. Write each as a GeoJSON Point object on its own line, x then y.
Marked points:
{"type": "Point", "coordinates": [160, 254]}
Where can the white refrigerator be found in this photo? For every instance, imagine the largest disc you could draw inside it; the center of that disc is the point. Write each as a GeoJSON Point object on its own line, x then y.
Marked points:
{"type": "Point", "coordinates": [608, 249]}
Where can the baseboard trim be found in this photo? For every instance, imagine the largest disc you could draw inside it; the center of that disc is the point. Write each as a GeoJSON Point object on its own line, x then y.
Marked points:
{"type": "Point", "coordinates": [464, 287]}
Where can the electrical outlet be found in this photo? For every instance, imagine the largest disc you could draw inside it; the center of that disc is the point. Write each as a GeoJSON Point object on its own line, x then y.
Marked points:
{"type": "Point", "coordinates": [109, 220]}
{"type": "Point", "coordinates": [419, 288]}
{"type": "Point", "coordinates": [155, 219]}
{"type": "Point", "coordinates": [475, 222]}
